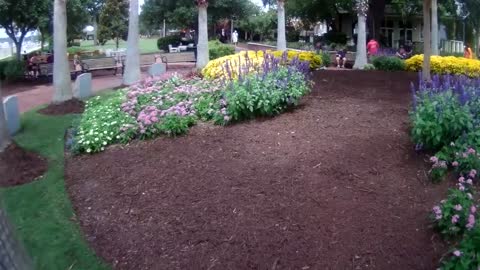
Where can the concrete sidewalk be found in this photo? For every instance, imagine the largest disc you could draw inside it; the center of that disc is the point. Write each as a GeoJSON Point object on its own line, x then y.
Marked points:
{"type": "Point", "coordinates": [42, 93]}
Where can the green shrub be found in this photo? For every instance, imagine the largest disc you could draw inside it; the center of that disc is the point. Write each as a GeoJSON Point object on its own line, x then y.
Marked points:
{"type": "Point", "coordinates": [369, 67]}
{"type": "Point", "coordinates": [12, 69]}
{"type": "Point", "coordinates": [388, 63]}
{"type": "Point", "coordinates": [218, 49]}
{"type": "Point", "coordinates": [163, 42]}
{"type": "Point", "coordinates": [451, 216]}
{"type": "Point", "coordinates": [466, 255]}
{"type": "Point", "coordinates": [439, 120]}
{"type": "Point", "coordinates": [265, 96]}
{"type": "Point", "coordinates": [326, 60]}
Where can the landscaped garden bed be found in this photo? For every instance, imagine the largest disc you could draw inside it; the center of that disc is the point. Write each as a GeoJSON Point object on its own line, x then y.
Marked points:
{"type": "Point", "coordinates": [237, 88]}
{"type": "Point", "coordinates": [333, 184]}
{"type": "Point", "coordinates": [445, 118]}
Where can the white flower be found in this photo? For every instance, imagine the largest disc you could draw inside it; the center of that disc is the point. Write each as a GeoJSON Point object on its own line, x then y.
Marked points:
{"type": "Point", "coordinates": [103, 148]}
{"type": "Point", "coordinates": [89, 150]}
{"type": "Point", "coordinates": [118, 136]}
{"type": "Point", "coordinates": [96, 139]}
{"type": "Point", "coordinates": [104, 143]}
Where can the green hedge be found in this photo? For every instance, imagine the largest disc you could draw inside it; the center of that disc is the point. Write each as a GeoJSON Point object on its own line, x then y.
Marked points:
{"type": "Point", "coordinates": [388, 63]}
{"type": "Point", "coordinates": [218, 49]}
{"type": "Point", "coordinates": [12, 69]}
{"type": "Point", "coordinates": [163, 42]}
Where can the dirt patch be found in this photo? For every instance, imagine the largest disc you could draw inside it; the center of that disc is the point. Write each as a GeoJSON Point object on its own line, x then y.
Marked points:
{"type": "Point", "coordinates": [18, 167]}
{"type": "Point", "coordinates": [67, 107]}
{"type": "Point", "coordinates": [335, 184]}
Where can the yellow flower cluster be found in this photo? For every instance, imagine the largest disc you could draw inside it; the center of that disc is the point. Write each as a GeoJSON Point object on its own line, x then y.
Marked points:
{"type": "Point", "coordinates": [446, 65]}
{"type": "Point", "coordinates": [216, 68]}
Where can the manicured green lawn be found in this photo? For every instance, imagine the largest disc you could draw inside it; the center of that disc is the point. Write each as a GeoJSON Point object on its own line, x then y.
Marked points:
{"type": "Point", "coordinates": [41, 211]}
{"type": "Point", "coordinates": [146, 45]}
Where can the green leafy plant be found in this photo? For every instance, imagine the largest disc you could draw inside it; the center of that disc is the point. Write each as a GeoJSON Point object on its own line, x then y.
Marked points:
{"type": "Point", "coordinates": [388, 63]}
{"type": "Point", "coordinates": [456, 214]}
{"type": "Point", "coordinates": [466, 255]}
{"type": "Point", "coordinates": [439, 119]}
{"type": "Point", "coordinates": [218, 49]}
{"type": "Point", "coordinates": [267, 95]}
{"type": "Point", "coordinates": [326, 60]}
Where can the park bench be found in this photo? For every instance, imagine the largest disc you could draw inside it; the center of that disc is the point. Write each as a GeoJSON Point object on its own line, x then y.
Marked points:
{"type": "Point", "coordinates": [45, 70]}
{"type": "Point", "coordinates": [182, 57]}
{"type": "Point", "coordinates": [104, 63]}
{"type": "Point", "coordinates": [147, 60]}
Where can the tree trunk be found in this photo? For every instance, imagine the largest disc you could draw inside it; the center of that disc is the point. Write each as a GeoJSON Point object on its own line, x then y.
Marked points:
{"type": "Point", "coordinates": [132, 63]}
{"type": "Point", "coordinates": [95, 27]}
{"type": "Point", "coordinates": [434, 27]}
{"type": "Point", "coordinates": [427, 48]}
{"type": "Point", "coordinates": [42, 41]}
{"type": "Point", "coordinates": [117, 42]}
{"type": "Point", "coordinates": [361, 54]}
{"type": "Point", "coordinates": [18, 50]}
{"type": "Point", "coordinates": [61, 70]}
{"type": "Point", "coordinates": [5, 139]}
{"type": "Point", "coordinates": [202, 46]}
{"type": "Point", "coordinates": [281, 35]}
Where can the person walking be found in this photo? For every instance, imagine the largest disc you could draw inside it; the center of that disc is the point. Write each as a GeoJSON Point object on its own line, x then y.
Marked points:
{"type": "Point", "coordinates": [235, 37]}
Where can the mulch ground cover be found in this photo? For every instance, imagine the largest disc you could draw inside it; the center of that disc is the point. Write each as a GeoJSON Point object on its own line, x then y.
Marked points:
{"type": "Point", "coordinates": [66, 107]}
{"type": "Point", "coordinates": [334, 184]}
{"type": "Point", "coordinates": [18, 166]}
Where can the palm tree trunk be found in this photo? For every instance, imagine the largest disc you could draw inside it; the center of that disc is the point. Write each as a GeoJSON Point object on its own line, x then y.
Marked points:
{"type": "Point", "coordinates": [132, 65]}
{"type": "Point", "coordinates": [5, 139]}
{"type": "Point", "coordinates": [434, 27]}
{"type": "Point", "coordinates": [427, 48]}
{"type": "Point", "coordinates": [281, 35]}
{"type": "Point", "coordinates": [361, 54]}
{"type": "Point", "coordinates": [202, 46]}
{"type": "Point", "coordinates": [61, 70]}
{"type": "Point", "coordinates": [95, 31]}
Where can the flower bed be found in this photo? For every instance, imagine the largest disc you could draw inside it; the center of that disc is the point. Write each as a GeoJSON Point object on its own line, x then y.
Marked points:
{"type": "Point", "coordinates": [154, 107]}
{"type": "Point", "coordinates": [446, 119]}
{"type": "Point", "coordinates": [446, 65]}
{"type": "Point", "coordinates": [252, 61]}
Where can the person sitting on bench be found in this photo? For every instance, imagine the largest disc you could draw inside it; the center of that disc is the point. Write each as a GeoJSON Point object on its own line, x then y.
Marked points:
{"type": "Point", "coordinates": [402, 53]}
{"type": "Point", "coordinates": [341, 58]}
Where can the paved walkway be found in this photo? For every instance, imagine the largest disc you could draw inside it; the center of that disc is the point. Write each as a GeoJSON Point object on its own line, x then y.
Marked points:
{"type": "Point", "coordinates": [41, 94]}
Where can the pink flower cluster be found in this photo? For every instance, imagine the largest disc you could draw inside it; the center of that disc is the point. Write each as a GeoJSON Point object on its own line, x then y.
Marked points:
{"type": "Point", "coordinates": [438, 163]}
{"type": "Point", "coordinates": [223, 110]}
{"type": "Point", "coordinates": [438, 212]}
{"type": "Point", "coordinates": [471, 218]}
{"type": "Point", "coordinates": [463, 184]}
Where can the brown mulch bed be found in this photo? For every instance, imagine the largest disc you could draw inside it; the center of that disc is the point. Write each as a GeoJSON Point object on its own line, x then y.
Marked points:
{"type": "Point", "coordinates": [18, 167]}
{"type": "Point", "coordinates": [334, 184]}
{"type": "Point", "coordinates": [66, 107]}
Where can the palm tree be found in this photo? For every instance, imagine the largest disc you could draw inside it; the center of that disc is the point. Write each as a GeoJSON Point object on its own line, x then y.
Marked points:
{"type": "Point", "coordinates": [434, 27]}
{"type": "Point", "coordinates": [202, 46]}
{"type": "Point", "coordinates": [361, 55]}
{"type": "Point", "coordinates": [132, 65]}
{"type": "Point", "coordinates": [61, 70]}
{"type": "Point", "coordinates": [427, 44]}
{"type": "Point", "coordinates": [5, 139]}
{"type": "Point", "coordinates": [281, 33]}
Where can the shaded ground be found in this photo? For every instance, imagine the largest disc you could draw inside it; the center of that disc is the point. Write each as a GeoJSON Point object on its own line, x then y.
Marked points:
{"type": "Point", "coordinates": [334, 184]}
{"type": "Point", "coordinates": [66, 107]}
{"type": "Point", "coordinates": [18, 166]}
